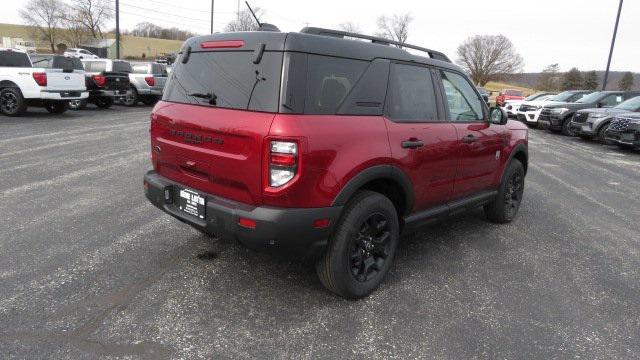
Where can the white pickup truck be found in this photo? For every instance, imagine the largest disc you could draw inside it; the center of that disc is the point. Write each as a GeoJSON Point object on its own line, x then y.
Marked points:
{"type": "Point", "coordinates": [23, 85]}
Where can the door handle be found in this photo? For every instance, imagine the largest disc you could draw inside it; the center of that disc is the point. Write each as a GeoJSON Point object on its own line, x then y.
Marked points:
{"type": "Point", "coordinates": [412, 143]}
{"type": "Point", "coordinates": [469, 139]}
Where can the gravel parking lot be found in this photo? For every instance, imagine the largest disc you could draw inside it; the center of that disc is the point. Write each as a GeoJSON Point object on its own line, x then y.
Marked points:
{"type": "Point", "coordinates": [89, 268]}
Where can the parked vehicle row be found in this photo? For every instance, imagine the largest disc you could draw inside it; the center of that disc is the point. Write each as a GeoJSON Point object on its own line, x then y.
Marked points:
{"type": "Point", "coordinates": [610, 117]}
{"type": "Point", "coordinates": [59, 82]}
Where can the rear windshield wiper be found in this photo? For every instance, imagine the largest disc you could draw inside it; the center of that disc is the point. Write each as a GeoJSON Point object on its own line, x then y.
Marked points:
{"type": "Point", "coordinates": [209, 96]}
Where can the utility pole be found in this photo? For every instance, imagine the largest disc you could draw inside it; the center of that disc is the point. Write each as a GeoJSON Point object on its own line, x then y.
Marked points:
{"type": "Point", "coordinates": [117, 29]}
{"type": "Point", "coordinates": [613, 42]}
{"type": "Point", "coordinates": [238, 13]}
{"type": "Point", "coordinates": [212, 1]}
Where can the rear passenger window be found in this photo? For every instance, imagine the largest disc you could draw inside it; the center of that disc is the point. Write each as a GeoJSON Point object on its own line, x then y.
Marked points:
{"type": "Point", "coordinates": [463, 102]}
{"type": "Point", "coordinates": [95, 66]}
{"type": "Point", "coordinates": [612, 100]}
{"type": "Point", "coordinates": [329, 80]}
{"type": "Point", "coordinates": [410, 96]}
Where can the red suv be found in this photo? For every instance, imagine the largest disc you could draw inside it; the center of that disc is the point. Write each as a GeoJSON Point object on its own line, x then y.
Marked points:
{"type": "Point", "coordinates": [327, 148]}
{"type": "Point", "coordinates": [508, 94]}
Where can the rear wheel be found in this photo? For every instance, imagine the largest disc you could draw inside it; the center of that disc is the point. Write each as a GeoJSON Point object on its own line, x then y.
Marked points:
{"type": "Point", "coordinates": [361, 250]}
{"type": "Point", "coordinates": [57, 107]}
{"type": "Point", "coordinates": [132, 98]}
{"type": "Point", "coordinates": [149, 100]}
{"type": "Point", "coordinates": [505, 207]}
{"type": "Point", "coordinates": [104, 102]}
{"type": "Point", "coordinates": [11, 102]}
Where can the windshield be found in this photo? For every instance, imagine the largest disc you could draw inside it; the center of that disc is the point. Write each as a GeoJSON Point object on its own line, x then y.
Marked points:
{"type": "Point", "coordinates": [14, 59]}
{"type": "Point", "coordinates": [227, 79]}
{"type": "Point", "coordinates": [537, 96]}
{"type": "Point", "coordinates": [66, 63]}
{"type": "Point", "coordinates": [121, 66]}
{"type": "Point", "coordinates": [563, 96]}
{"type": "Point", "coordinates": [632, 104]}
{"type": "Point", "coordinates": [591, 98]}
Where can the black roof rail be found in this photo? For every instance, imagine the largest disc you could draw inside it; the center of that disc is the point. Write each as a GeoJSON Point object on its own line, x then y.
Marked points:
{"type": "Point", "coordinates": [437, 55]}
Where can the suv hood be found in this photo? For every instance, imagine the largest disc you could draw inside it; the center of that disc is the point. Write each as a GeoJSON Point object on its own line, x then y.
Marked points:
{"type": "Point", "coordinates": [570, 106]}
{"type": "Point", "coordinates": [608, 111]}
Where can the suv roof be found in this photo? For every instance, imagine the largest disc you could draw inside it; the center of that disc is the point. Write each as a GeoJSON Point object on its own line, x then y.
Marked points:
{"type": "Point", "coordinates": [327, 42]}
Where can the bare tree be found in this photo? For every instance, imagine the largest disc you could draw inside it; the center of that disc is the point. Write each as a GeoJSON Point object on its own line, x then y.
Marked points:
{"type": "Point", "coordinates": [350, 27]}
{"type": "Point", "coordinates": [75, 31]}
{"type": "Point", "coordinates": [245, 21]}
{"type": "Point", "coordinates": [485, 57]}
{"type": "Point", "coordinates": [44, 17]}
{"type": "Point", "coordinates": [395, 27]}
{"type": "Point", "coordinates": [93, 14]}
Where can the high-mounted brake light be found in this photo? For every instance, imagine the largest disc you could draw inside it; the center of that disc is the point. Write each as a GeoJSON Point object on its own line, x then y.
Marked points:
{"type": "Point", "coordinates": [151, 81]}
{"type": "Point", "coordinates": [40, 78]}
{"type": "Point", "coordinates": [99, 80]}
{"type": "Point", "coordinates": [283, 162]}
{"type": "Point", "coordinates": [222, 44]}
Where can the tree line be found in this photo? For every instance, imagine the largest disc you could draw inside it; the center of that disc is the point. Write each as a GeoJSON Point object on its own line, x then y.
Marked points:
{"type": "Point", "coordinates": [552, 79]}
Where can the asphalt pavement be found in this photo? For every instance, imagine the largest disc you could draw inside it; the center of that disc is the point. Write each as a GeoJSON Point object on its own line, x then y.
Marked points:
{"type": "Point", "coordinates": [89, 269]}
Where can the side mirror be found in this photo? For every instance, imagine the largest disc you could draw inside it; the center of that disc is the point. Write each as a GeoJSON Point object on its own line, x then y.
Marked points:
{"type": "Point", "coordinates": [498, 116]}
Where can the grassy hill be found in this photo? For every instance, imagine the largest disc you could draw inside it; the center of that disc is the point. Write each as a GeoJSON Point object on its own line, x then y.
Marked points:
{"type": "Point", "coordinates": [132, 46]}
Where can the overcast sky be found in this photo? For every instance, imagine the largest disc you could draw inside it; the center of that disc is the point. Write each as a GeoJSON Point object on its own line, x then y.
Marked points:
{"type": "Point", "coordinates": [568, 32]}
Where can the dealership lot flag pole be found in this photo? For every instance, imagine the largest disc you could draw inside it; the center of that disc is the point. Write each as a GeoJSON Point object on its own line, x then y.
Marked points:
{"type": "Point", "coordinates": [613, 42]}
{"type": "Point", "coordinates": [117, 29]}
{"type": "Point", "coordinates": [212, 1]}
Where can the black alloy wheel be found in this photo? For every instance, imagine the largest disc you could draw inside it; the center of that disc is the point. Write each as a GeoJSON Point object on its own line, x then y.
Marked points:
{"type": "Point", "coordinates": [370, 247]}
{"type": "Point", "coordinates": [513, 194]}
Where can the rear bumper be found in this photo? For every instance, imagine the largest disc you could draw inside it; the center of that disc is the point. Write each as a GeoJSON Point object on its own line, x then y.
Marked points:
{"type": "Point", "coordinates": [149, 91]}
{"type": "Point", "coordinates": [286, 231]}
{"type": "Point", "coordinates": [64, 95]}
{"type": "Point", "coordinates": [109, 93]}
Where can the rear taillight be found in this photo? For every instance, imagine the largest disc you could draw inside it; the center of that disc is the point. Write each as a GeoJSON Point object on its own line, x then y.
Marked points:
{"type": "Point", "coordinates": [40, 78]}
{"type": "Point", "coordinates": [99, 80]}
{"type": "Point", "coordinates": [151, 81]}
{"type": "Point", "coordinates": [283, 162]}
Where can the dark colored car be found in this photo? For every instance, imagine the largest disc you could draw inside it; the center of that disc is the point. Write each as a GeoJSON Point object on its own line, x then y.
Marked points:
{"type": "Point", "coordinates": [325, 148]}
{"type": "Point", "coordinates": [593, 123]}
{"type": "Point", "coordinates": [557, 117]}
{"type": "Point", "coordinates": [624, 130]}
{"type": "Point", "coordinates": [107, 81]}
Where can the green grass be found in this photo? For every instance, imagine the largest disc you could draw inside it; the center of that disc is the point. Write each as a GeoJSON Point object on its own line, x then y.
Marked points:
{"type": "Point", "coordinates": [132, 46]}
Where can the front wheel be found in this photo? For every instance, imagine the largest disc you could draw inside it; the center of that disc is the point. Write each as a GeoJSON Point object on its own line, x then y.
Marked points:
{"type": "Point", "coordinates": [602, 138]}
{"type": "Point", "coordinates": [506, 204]}
{"type": "Point", "coordinates": [566, 128]}
{"type": "Point", "coordinates": [149, 100]}
{"type": "Point", "coordinates": [58, 107]}
{"type": "Point", "coordinates": [361, 250]}
{"type": "Point", "coordinates": [12, 102]}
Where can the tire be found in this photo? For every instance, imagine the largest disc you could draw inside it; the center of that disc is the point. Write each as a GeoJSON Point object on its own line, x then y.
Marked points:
{"type": "Point", "coordinates": [149, 100]}
{"type": "Point", "coordinates": [132, 98]}
{"type": "Point", "coordinates": [77, 104]}
{"type": "Point", "coordinates": [566, 129]}
{"type": "Point", "coordinates": [601, 135]}
{"type": "Point", "coordinates": [104, 102]}
{"type": "Point", "coordinates": [12, 102]}
{"type": "Point", "coordinates": [57, 107]}
{"type": "Point", "coordinates": [505, 207]}
{"type": "Point", "coordinates": [361, 249]}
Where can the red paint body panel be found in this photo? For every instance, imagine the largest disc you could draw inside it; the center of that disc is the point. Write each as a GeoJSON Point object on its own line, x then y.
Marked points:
{"type": "Point", "coordinates": [333, 150]}
{"type": "Point", "coordinates": [432, 167]}
{"type": "Point", "coordinates": [218, 151]}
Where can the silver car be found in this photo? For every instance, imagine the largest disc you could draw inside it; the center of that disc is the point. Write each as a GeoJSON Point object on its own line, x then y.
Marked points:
{"type": "Point", "coordinates": [147, 83]}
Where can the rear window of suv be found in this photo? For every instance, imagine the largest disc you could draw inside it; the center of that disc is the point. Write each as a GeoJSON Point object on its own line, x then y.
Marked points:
{"type": "Point", "coordinates": [14, 59]}
{"type": "Point", "coordinates": [227, 79]}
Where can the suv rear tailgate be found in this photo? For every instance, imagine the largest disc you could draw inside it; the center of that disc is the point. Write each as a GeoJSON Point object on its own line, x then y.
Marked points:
{"type": "Point", "coordinates": [214, 150]}
{"type": "Point", "coordinates": [117, 81]}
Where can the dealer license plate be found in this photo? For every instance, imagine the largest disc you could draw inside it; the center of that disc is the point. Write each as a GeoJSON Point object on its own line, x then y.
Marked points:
{"type": "Point", "coordinates": [192, 203]}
